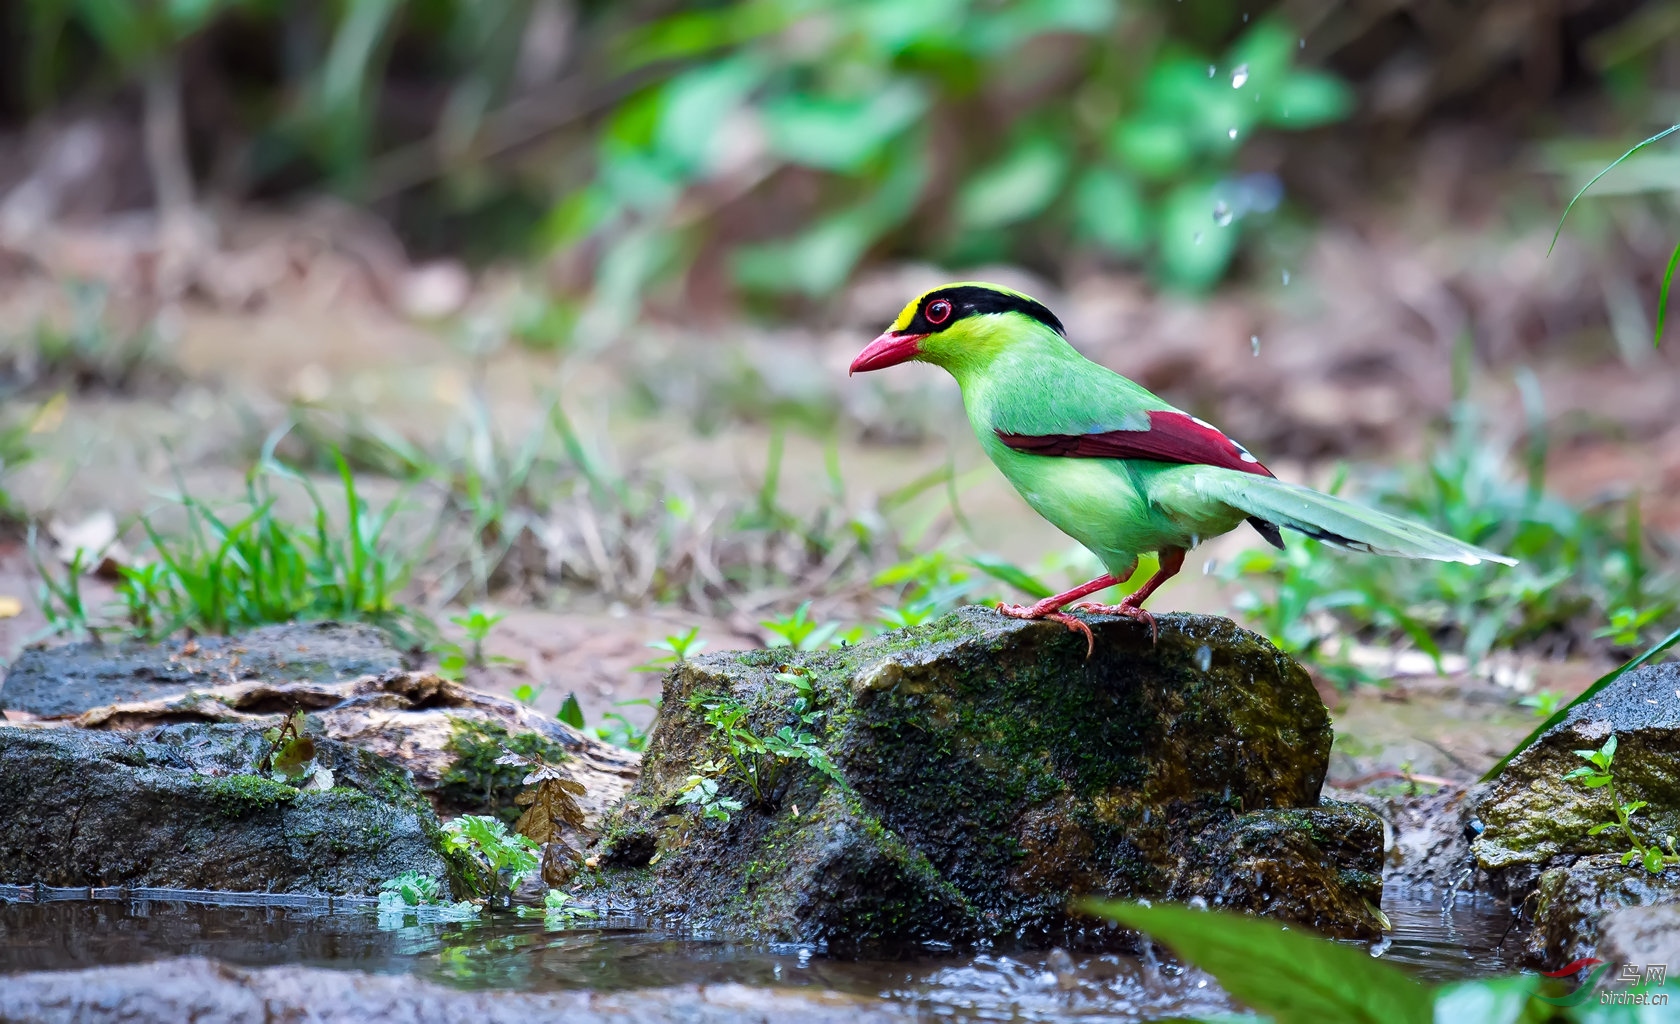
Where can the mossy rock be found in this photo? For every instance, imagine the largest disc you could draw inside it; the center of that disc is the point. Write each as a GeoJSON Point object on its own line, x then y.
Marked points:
{"type": "Point", "coordinates": [1530, 814]}
{"type": "Point", "coordinates": [991, 773]}
{"type": "Point", "coordinates": [182, 806]}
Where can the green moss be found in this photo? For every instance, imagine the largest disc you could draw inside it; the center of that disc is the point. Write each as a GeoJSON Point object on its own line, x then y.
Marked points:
{"type": "Point", "coordinates": [475, 783]}
{"type": "Point", "coordinates": [239, 795]}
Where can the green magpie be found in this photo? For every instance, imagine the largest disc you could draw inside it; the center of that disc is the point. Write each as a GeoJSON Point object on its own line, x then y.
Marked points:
{"type": "Point", "coordinates": [1107, 462]}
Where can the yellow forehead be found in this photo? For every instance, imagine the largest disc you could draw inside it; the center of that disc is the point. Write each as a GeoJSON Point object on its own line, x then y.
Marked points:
{"type": "Point", "coordinates": [908, 313]}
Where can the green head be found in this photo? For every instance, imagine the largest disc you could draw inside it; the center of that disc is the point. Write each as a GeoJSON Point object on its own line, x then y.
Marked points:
{"type": "Point", "coordinates": [961, 327]}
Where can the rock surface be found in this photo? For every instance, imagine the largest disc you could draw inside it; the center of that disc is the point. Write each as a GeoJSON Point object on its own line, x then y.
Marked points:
{"type": "Point", "coordinates": [1571, 903]}
{"type": "Point", "coordinates": [1641, 935]}
{"type": "Point", "coordinates": [1531, 814]}
{"type": "Point", "coordinates": [991, 772]}
{"type": "Point", "coordinates": [447, 735]}
{"type": "Point", "coordinates": [180, 806]}
{"type": "Point", "coordinates": [208, 992]}
{"type": "Point", "coordinates": [1536, 845]}
{"type": "Point", "coordinates": [54, 682]}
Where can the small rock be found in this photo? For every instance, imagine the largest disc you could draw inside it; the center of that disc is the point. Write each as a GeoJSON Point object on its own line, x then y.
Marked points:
{"type": "Point", "coordinates": [1641, 935]}
{"type": "Point", "coordinates": [56, 682]}
{"type": "Point", "coordinates": [181, 806]}
{"type": "Point", "coordinates": [1571, 903]}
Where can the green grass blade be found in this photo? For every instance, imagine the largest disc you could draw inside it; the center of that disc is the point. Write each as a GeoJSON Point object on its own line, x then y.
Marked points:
{"type": "Point", "coordinates": [1662, 298]}
{"type": "Point", "coordinates": [1587, 694]}
{"type": "Point", "coordinates": [1670, 130]}
{"type": "Point", "coordinates": [1292, 976]}
{"type": "Point", "coordinates": [1014, 575]}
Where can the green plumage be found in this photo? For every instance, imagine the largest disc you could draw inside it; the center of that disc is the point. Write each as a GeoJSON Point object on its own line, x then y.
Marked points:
{"type": "Point", "coordinates": [1019, 376]}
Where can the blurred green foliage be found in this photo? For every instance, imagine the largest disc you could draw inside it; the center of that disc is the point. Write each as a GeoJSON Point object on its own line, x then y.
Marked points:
{"type": "Point", "coordinates": [779, 141]}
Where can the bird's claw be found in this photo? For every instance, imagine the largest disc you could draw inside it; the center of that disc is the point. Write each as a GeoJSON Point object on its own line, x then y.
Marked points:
{"type": "Point", "coordinates": [1017, 611]}
{"type": "Point", "coordinates": [1124, 610]}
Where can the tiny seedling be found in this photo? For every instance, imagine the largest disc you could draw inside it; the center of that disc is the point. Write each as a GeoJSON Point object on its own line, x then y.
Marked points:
{"type": "Point", "coordinates": [679, 647]}
{"type": "Point", "coordinates": [290, 757]}
{"type": "Point", "coordinates": [1544, 703]}
{"type": "Point", "coordinates": [620, 731]}
{"type": "Point", "coordinates": [455, 658]}
{"type": "Point", "coordinates": [799, 631]}
{"type": "Point", "coordinates": [702, 792]}
{"type": "Point", "coordinates": [1599, 773]}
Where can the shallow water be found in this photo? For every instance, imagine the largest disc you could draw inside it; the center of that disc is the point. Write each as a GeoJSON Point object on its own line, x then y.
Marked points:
{"type": "Point", "coordinates": [64, 929]}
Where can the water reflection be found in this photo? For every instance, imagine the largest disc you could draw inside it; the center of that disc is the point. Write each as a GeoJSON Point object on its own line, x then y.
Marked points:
{"type": "Point", "coordinates": [507, 952]}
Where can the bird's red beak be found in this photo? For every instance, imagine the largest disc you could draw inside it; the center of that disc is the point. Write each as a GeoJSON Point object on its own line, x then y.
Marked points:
{"type": "Point", "coordinates": [888, 350]}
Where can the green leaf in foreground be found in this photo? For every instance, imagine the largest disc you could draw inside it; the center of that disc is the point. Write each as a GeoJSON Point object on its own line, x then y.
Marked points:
{"type": "Point", "coordinates": [1290, 975]}
{"type": "Point", "coordinates": [1589, 693]}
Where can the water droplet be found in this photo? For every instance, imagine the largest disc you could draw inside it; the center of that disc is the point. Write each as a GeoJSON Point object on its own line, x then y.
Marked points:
{"type": "Point", "coordinates": [1303, 42]}
{"type": "Point", "coordinates": [1245, 19]}
{"type": "Point", "coordinates": [1286, 279]}
{"type": "Point", "coordinates": [1222, 213]}
{"type": "Point", "coordinates": [1232, 133]}
{"type": "Point", "coordinates": [1198, 903]}
{"type": "Point", "coordinates": [1212, 71]}
{"type": "Point", "coordinates": [1239, 77]}
{"type": "Point", "coordinates": [1254, 343]}
{"type": "Point", "coordinates": [1204, 657]}
{"type": "Point", "coordinates": [1196, 238]}
{"type": "Point", "coordinates": [1211, 566]}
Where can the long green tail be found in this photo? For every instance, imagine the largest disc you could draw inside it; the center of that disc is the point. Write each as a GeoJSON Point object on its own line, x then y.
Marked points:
{"type": "Point", "coordinates": [1335, 521]}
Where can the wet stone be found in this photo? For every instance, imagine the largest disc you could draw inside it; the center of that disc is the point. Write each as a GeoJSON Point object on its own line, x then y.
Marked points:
{"type": "Point", "coordinates": [181, 806]}
{"type": "Point", "coordinates": [56, 682]}
{"type": "Point", "coordinates": [988, 772]}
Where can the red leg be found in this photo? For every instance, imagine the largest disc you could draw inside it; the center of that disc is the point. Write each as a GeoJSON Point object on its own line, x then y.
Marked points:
{"type": "Point", "coordinates": [1131, 606]}
{"type": "Point", "coordinates": [1050, 607]}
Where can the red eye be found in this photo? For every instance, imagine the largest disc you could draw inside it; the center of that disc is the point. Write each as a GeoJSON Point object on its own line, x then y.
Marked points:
{"type": "Point", "coordinates": [938, 311]}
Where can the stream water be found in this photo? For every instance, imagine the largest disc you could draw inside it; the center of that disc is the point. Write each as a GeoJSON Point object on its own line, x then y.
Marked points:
{"type": "Point", "coordinates": [43, 929]}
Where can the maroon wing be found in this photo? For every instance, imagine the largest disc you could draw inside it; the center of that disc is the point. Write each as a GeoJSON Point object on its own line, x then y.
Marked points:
{"type": "Point", "coordinates": [1171, 437]}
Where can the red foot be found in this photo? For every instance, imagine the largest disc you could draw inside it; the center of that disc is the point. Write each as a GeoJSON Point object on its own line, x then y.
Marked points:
{"type": "Point", "coordinates": [1124, 610]}
{"type": "Point", "coordinates": [1017, 611]}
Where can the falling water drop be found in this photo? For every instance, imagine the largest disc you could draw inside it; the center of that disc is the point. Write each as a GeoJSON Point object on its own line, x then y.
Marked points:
{"type": "Point", "coordinates": [1196, 238]}
{"type": "Point", "coordinates": [1232, 133]}
{"type": "Point", "coordinates": [1212, 71]}
{"type": "Point", "coordinates": [1239, 77]}
{"type": "Point", "coordinates": [1254, 343]}
{"type": "Point", "coordinates": [1245, 19]}
{"type": "Point", "coordinates": [1198, 903]}
{"type": "Point", "coordinates": [1286, 279]}
{"type": "Point", "coordinates": [1204, 657]}
{"type": "Point", "coordinates": [1210, 567]}
{"type": "Point", "coordinates": [1222, 213]}
{"type": "Point", "coordinates": [1303, 42]}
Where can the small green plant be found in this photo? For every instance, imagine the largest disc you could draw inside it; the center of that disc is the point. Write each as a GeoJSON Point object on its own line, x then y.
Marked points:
{"type": "Point", "coordinates": [1544, 702]}
{"type": "Point", "coordinates": [620, 731]}
{"type": "Point", "coordinates": [799, 631]}
{"type": "Point", "coordinates": [60, 597]}
{"type": "Point", "coordinates": [702, 791]}
{"type": "Point", "coordinates": [558, 909]}
{"type": "Point", "coordinates": [571, 712]}
{"type": "Point", "coordinates": [88, 353]}
{"type": "Point", "coordinates": [757, 763]}
{"type": "Point", "coordinates": [1599, 773]}
{"type": "Point", "coordinates": [679, 647]}
{"type": "Point", "coordinates": [497, 859]}
{"type": "Point", "coordinates": [455, 658]}
{"type": "Point", "coordinates": [290, 757]}
{"type": "Point", "coordinates": [414, 896]}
